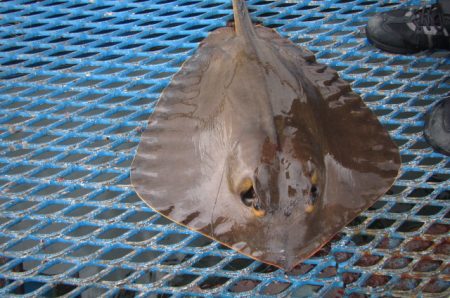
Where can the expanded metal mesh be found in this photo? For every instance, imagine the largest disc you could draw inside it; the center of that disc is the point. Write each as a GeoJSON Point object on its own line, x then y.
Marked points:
{"type": "Point", "coordinates": [78, 81]}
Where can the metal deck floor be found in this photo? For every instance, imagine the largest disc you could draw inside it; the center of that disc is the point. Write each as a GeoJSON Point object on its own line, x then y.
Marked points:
{"type": "Point", "coordinates": [78, 81]}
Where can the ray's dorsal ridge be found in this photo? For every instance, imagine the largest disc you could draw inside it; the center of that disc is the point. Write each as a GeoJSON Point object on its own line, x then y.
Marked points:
{"type": "Point", "coordinates": [242, 22]}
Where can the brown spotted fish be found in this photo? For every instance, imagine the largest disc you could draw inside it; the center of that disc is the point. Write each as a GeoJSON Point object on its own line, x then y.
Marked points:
{"type": "Point", "coordinates": [259, 147]}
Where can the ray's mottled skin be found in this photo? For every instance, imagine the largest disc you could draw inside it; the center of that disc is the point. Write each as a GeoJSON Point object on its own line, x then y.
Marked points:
{"type": "Point", "coordinates": [259, 147]}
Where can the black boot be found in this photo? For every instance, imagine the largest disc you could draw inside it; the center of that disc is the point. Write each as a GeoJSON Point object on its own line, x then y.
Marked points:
{"type": "Point", "coordinates": [411, 30]}
{"type": "Point", "coordinates": [437, 126]}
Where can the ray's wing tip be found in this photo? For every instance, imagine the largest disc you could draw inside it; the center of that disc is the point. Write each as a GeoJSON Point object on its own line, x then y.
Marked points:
{"type": "Point", "coordinates": [289, 266]}
{"type": "Point", "coordinates": [289, 263]}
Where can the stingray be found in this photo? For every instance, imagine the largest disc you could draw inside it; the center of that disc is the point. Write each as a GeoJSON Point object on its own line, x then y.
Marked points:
{"type": "Point", "coordinates": [259, 147]}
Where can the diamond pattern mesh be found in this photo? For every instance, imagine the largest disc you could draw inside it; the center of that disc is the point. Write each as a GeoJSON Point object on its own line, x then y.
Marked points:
{"type": "Point", "coordinates": [78, 81]}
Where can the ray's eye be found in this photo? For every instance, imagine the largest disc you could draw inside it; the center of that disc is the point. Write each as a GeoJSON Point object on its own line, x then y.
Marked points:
{"type": "Point", "coordinates": [311, 199]}
{"type": "Point", "coordinates": [314, 191]}
{"type": "Point", "coordinates": [248, 197]}
{"type": "Point", "coordinates": [247, 192]}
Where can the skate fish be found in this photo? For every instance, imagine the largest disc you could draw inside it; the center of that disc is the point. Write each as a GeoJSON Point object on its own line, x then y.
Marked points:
{"type": "Point", "coordinates": [259, 147]}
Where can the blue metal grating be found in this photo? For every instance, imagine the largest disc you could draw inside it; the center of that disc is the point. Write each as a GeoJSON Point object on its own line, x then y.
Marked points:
{"type": "Point", "coordinates": [78, 81]}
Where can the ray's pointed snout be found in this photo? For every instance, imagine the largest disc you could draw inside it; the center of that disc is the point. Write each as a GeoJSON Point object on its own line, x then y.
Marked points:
{"type": "Point", "coordinates": [282, 246]}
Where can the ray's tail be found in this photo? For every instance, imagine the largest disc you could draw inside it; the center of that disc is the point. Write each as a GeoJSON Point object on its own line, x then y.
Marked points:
{"type": "Point", "coordinates": [242, 22]}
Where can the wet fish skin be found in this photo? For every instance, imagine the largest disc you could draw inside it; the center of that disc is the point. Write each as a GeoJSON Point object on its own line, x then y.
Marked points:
{"type": "Point", "coordinates": [251, 109]}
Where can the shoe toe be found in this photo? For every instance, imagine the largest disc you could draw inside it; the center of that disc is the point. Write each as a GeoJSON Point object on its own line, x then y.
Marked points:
{"type": "Point", "coordinates": [436, 130]}
{"type": "Point", "coordinates": [378, 30]}
{"type": "Point", "coordinates": [375, 26]}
